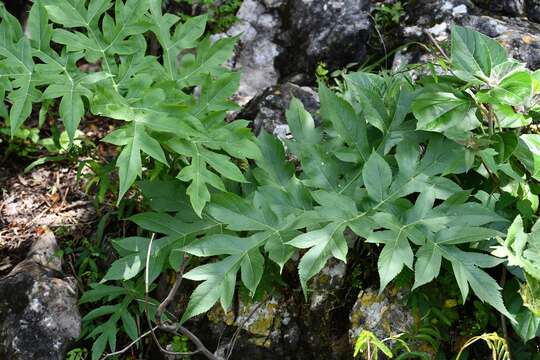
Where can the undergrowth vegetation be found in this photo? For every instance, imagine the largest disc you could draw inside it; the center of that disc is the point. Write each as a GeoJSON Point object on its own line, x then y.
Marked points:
{"type": "Point", "coordinates": [439, 170]}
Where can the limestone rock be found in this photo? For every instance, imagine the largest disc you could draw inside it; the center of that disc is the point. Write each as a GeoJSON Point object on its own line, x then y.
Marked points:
{"type": "Point", "coordinates": [38, 306]}
{"type": "Point", "coordinates": [505, 7]}
{"type": "Point", "coordinates": [286, 327]}
{"type": "Point", "coordinates": [533, 10]}
{"type": "Point", "coordinates": [258, 22]}
{"type": "Point", "coordinates": [269, 329]}
{"type": "Point", "coordinates": [334, 31]}
{"type": "Point", "coordinates": [385, 315]}
{"type": "Point", "coordinates": [330, 278]}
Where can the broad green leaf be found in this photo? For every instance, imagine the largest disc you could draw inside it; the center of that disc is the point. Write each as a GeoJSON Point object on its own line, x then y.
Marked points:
{"type": "Point", "coordinates": [527, 325]}
{"type": "Point", "coordinates": [18, 66]}
{"type": "Point", "coordinates": [427, 265]}
{"type": "Point", "coordinates": [216, 93]}
{"type": "Point", "coordinates": [239, 214]}
{"type": "Point", "coordinates": [521, 249]}
{"type": "Point", "coordinates": [99, 345]}
{"type": "Point", "coordinates": [508, 118]}
{"type": "Point", "coordinates": [464, 234]}
{"type": "Point", "coordinates": [199, 175]}
{"type": "Point", "coordinates": [468, 273]}
{"type": "Point", "coordinates": [184, 36]}
{"type": "Point", "coordinates": [223, 165]}
{"type": "Point", "coordinates": [301, 123]}
{"type": "Point", "coordinates": [100, 291]}
{"type": "Point", "coordinates": [125, 268]}
{"type": "Point", "coordinates": [377, 176]}
{"type": "Point", "coordinates": [129, 165]}
{"type": "Point", "coordinates": [71, 111]}
{"type": "Point", "coordinates": [158, 193]}
{"type": "Point", "coordinates": [218, 279]}
{"type": "Point", "coordinates": [252, 269]}
{"type": "Point", "coordinates": [222, 244]}
{"type": "Point", "coordinates": [129, 325]}
{"type": "Point", "coordinates": [474, 55]}
{"type": "Point", "coordinates": [528, 152]}
{"type": "Point", "coordinates": [151, 146]}
{"type": "Point", "coordinates": [68, 13]}
{"type": "Point", "coordinates": [278, 249]}
{"type": "Point", "coordinates": [39, 28]}
{"type": "Point", "coordinates": [273, 162]}
{"type": "Point", "coordinates": [395, 254]}
{"type": "Point", "coordinates": [515, 89]}
{"type": "Point", "coordinates": [347, 123]}
{"type": "Point", "coordinates": [369, 90]}
{"type": "Point", "coordinates": [442, 109]}
{"type": "Point", "coordinates": [172, 226]}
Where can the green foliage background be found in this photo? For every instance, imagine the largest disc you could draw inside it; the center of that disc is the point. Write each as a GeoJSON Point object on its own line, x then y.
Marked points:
{"type": "Point", "coordinates": [433, 171]}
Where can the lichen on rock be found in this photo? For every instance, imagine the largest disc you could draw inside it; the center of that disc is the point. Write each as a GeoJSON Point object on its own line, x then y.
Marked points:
{"type": "Point", "coordinates": [261, 320]}
{"type": "Point", "coordinates": [385, 315]}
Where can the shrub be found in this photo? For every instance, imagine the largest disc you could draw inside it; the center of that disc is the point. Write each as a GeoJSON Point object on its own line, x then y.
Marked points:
{"type": "Point", "coordinates": [433, 171]}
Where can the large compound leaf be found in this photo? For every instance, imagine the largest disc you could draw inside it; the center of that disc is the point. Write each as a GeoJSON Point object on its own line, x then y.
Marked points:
{"type": "Point", "coordinates": [219, 278]}
{"type": "Point", "coordinates": [18, 66]}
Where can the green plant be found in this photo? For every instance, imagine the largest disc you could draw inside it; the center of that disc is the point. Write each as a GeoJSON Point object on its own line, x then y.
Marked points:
{"type": "Point", "coordinates": [180, 344]}
{"type": "Point", "coordinates": [77, 354]}
{"type": "Point", "coordinates": [166, 121]}
{"type": "Point", "coordinates": [394, 173]}
{"type": "Point", "coordinates": [393, 162]}
{"type": "Point", "coordinates": [497, 345]}
{"type": "Point", "coordinates": [388, 15]}
{"type": "Point", "coordinates": [221, 13]}
{"type": "Point", "coordinates": [369, 343]}
{"type": "Point", "coordinates": [132, 87]}
{"type": "Point", "coordinates": [431, 171]}
{"type": "Point", "coordinates": [522, 250]}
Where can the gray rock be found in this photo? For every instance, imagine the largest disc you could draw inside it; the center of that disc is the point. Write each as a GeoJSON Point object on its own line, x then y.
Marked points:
{"type": "Point", "coordinates": [533, 10]}
{"type": "Point", "coordinates": [285, 326]}
{"type": "Point", "coordinates": [324, 283]}
{"type": "Point", "coordinates": [273, 3]}
{"type": "Point", "coordinates": [279, 38]}
{"type": "Point", "coordinates": [512, 8]}
{"type": "Point", "coordinates": [38, 306]}
{"type": "Point", "coordinates": [334, 31]}
{"type": "Point", "coordinates": [268, 109]}
{"type": "Point", "coordinates": [384, 315]}
{"type": "Point", "coordinates": [258, 23]}
{"type": "Point", "coordinates": [268, 329]}
{"type": "Point", "coordinates": [505, 7]}
{"type": "Point", "coordinates": [518, 35]}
